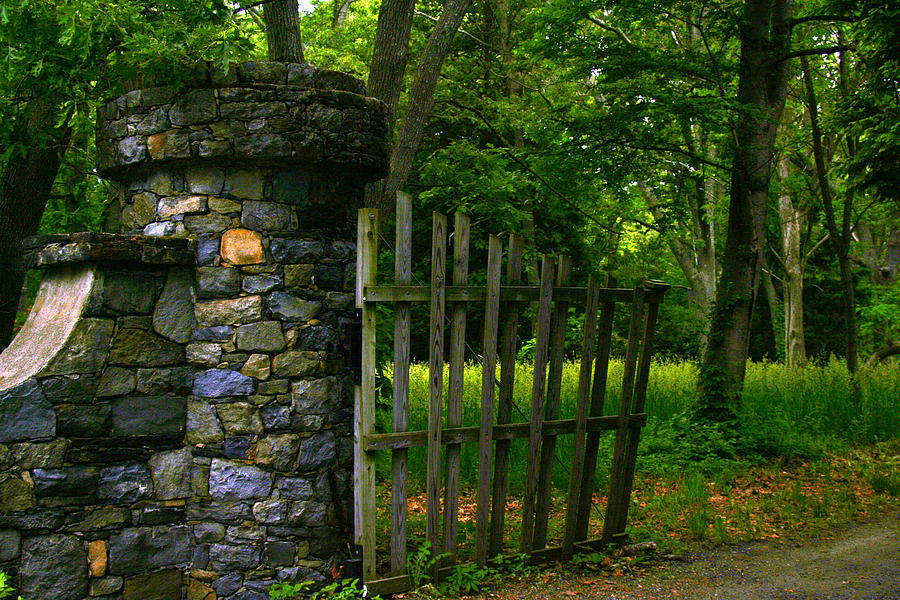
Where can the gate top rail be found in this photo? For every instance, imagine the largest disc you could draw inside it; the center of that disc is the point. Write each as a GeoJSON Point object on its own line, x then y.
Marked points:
{"type": "Point", "coordinates": [508, 293]}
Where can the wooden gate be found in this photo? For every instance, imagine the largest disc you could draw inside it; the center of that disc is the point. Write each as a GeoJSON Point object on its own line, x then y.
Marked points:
{"type": "Point", "coordinates": [445, 434]}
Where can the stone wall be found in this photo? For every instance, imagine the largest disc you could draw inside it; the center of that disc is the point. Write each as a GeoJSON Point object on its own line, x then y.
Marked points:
{"type": "Point", "coordinates": [206, 450]}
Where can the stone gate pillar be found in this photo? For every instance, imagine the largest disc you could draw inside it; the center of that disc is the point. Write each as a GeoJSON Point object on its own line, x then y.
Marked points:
{"type": "Point", "coordinates": [264, 167]}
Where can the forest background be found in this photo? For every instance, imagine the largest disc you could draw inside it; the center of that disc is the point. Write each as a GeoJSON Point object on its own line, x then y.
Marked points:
{"type": "Point", "coordinates": [744, 151]}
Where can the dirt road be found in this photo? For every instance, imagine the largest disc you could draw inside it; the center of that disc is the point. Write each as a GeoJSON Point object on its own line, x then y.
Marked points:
{"type": "Point", "coordinates": [859, 562]}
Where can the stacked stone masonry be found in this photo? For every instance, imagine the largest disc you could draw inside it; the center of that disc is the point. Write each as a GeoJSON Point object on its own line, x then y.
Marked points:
{"type": "Point", "coordinates": [192, 438]}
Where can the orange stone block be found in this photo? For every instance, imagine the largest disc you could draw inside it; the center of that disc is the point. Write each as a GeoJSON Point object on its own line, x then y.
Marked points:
{"type": "Point", "coordinates": [242, 247]}
{"type": "Point", "coordinates": [200, 591]}
{"type": "Point", "coordinates": [97, 558]}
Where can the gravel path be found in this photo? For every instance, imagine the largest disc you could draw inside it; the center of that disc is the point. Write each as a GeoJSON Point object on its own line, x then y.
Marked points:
{"type": "Point", "coordinates": [860, 562]}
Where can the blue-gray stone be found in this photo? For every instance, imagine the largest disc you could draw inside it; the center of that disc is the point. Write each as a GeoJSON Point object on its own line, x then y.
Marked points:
{"type": "Point", "coordinates": [291, 308]}
{"type": "Point", "coordinates": [237, 447]}
{"type": "Point", "coordinates": [265, 216]}
{"type": "Point", "coordinates": [227, 584]}
{"type": "Point", "coordinates": [140, 549]}
{"type": "Point", "coordinates": [218, 281]}
{"type": "Point", "coordinates": [124, 484]}
{"type": "Point", "coordinates": [295, 488]}
{"type": "Point", "coordinates": [275, 416]}
{"type": "Point", "coordinates": [219, 333]}
{"type": "Point", "coordinates": [289, 251]}
{"type": "Point", "coordinates": [258, 284]}
{"type": "Point", "coordinates": [230, 480]}
{"type": "Point", "coordinates": [232, 558]}
{"type": "Point", "coordinates": [207, 252]}
{"type": "Point", "coordinates": [219, 383]}
{"type": "Point", "coordinates": [317, 451]}
{"type": "Point", "coordinates": [25, 414]}
{"type": "Point", "coordinates": [68, 481]}
{"type": "Point", "coordinates": [54, 566]}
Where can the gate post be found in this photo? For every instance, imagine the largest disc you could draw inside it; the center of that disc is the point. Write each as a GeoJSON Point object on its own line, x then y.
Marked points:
{"type": "Point", "coordinates": [264, 166]}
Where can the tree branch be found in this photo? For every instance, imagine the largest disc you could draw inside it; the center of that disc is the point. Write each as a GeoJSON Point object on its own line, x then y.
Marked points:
{"type": "Point", "coordinates": [827, 18]}
{"type": "Point", "coordinates": [525, 166]}
{"type": "Point", "coordinates": [817, 51]}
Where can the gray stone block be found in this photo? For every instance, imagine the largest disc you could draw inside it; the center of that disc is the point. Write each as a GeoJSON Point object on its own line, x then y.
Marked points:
{"type": "Point", "coordinates": [125, 484]}
{"type": "Point", "coordinates": [317, 451]}
{"type": "Point", "coordinates": [202, 425]}
{"type": "Point", "coordinates": [54, 567]}
{"type": "Point", "coordinates": [140, 348]}
{"type": "Point", "coordinates": [265, 336]}
{"type": "Point", "coordinates": [153, 415]}
{"type": "Point", "coordinates": [218, 281]}
{"type": "Point", "coordinates": [171, 472]}
{"type": "Point", "coordinates": [291, 308]}
{"type": "Point", "coordinates": [173, 316]}
{"type": "Point", "coordinates": [286, 250]}
{"type": "Point", "coordinates": [25, 414]}
{"type": "Point", "coordinates": [80, 353]}
{"type": "Point", "coordinates": [231, 558]}
{"type": "Point", "coordinates": [10, 544]}
{"type": "Point", "coordinates": [230, 480]}
{"type": "Point", "coordinates": [220, 383]}
{"type": "Point", "coordinates": [265, 216]}
{"type": "Point", "coordinates": [143, 548]}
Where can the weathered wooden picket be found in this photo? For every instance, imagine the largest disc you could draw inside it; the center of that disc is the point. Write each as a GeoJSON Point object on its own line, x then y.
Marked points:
{"type": "Point", "coordinates": [501, 305]}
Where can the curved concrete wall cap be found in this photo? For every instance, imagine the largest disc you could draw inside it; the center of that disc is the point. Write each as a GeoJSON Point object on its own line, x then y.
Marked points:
{"type": "Point", "coordinates": [60, 301]}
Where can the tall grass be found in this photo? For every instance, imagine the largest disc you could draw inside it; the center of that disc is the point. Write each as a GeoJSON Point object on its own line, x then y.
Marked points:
{"type": "Point", "coordinates": [785, 412]}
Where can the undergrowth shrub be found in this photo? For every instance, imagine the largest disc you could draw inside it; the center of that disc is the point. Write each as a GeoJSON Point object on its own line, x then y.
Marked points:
{"type": "Point", "coordinates": [790, 413]}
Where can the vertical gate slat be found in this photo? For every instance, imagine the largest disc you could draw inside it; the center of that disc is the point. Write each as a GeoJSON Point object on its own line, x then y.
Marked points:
{"type": "Point", "coordinates": [598, 397]}
{"type": "Point", "coordinates": [364, 414]}
{"type": "Point", "coordinates": [508, 351]}
{"type": "Point", "coordinates": [399, 457]}
{"type": "Point", "coordinates": [436, 379]}
{"type": "Point", "coordinates": [537, 404]}
{"type": "Point", "coordinates": [554, 391]}
{"type": "Point", "coordinates": [615, 506]}
{"type": "Point", "coordinates": [576, 475]}
{"type": "Point", "coordinates": [455, 391]}
{"type": "Point", "coordinates": [491, 322]}
{"type": "Point", "coordinates": [634, 433]}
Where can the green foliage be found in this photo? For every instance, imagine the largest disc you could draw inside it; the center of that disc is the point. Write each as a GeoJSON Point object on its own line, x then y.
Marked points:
{"type": "Point", "coordinates": [421, 562]}
{"type": "Point", "coordinates": [6, 590]}
{"type": "Point", "coordinates": [347, 589]}
{"type": "Point", "coordinates": [465, 578]}
{"type": "Point", "coordinates": [799, 413]}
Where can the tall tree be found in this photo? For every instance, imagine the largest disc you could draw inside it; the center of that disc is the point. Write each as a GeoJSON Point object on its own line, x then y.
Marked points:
{"type": "Point", "coordinates": [282, 19]}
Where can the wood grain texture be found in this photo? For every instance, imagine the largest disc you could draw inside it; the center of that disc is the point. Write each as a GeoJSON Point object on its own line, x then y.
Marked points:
{"type": "Point", "coordinates": [598, 397]}
{"type": "Point", "coordinates": [364, 396]}
{"type": "Point", "coordinates": [399, 458]}
{"type": "Point", "coordinates": [613, 525]}
{"type": "Point", "coordinates": [554, 390]}
{"type": "Point", "coordinates": [435, 380]}
{"type": "Point", "coordinates": [489, 346]}
{"type": "Point", "coordinates": [582, 410]}
{"type": "Point", "coordinates": [455, 389]}
{"type": "Point", "coordinates": [541, 346]}
{"type": "Point", "coordinates": [508, 352]}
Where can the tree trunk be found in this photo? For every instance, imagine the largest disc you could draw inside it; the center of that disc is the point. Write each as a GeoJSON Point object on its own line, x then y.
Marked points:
{"type": "Point", "coordinates": [341, 12]}
{"type": "Point", "coordinates": [25, 185]}
{"type": "Point", "coordinates": [792, 220]}
{"type": "Point", "coordinates": [421, 100]}
{"type": "Point", "coordinates": [282, 18]}
{"type": "Point", "coordinates": [841, 236]}
{"type": "Point", "coordinates": [762, 87]}
{"type": "Point", "coordinates": [776, 310]}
